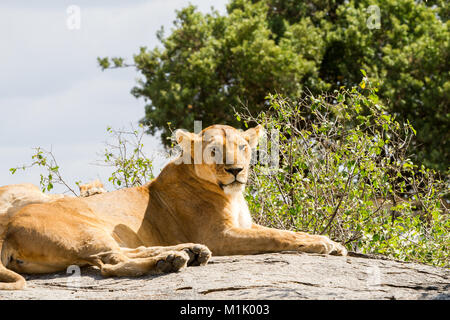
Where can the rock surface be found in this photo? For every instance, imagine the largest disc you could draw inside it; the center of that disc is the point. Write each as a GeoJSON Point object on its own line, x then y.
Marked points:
{"type": "Point", "coordinates": [266, 276]}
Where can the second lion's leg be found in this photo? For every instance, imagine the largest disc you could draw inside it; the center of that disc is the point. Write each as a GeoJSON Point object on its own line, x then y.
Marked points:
{"type": "Point", "coordinates": [116, 263]}
{"type": "Point", "coordinates": [198, 254]}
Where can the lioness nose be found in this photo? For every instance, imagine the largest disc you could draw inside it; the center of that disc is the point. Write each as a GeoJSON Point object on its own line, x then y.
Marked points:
{"type": "Point", "coordinates": [234, 171]}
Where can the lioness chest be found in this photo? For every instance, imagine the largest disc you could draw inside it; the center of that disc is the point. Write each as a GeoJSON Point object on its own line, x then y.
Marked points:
{"type": "Point", "coordinates": [240, 215]}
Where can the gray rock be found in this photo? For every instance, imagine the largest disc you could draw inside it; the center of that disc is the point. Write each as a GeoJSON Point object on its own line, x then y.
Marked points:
{"type": "Point", "coordinates": [267, 276]}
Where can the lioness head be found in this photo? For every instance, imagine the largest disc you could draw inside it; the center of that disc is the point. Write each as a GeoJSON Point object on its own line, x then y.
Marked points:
{"type": "Point", "coordinates": [91, 188]}
{"type": "Point", "coordinates": [221, 154]}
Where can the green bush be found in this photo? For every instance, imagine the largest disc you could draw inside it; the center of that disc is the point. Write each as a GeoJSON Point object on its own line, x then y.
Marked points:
{"type": "Point", "coordinates": [344, 171]}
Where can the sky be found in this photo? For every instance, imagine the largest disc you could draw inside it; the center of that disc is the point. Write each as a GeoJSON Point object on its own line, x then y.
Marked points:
{"type": "Point", "coordinates": [53, 94]}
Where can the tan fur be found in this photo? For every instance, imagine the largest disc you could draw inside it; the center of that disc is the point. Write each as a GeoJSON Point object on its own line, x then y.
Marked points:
{"type": "Point", "coordinates": [154, 228]}
{"type": "Point", "coordinates": [16, 196]}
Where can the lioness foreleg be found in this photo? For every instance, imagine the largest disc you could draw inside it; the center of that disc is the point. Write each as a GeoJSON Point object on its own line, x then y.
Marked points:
{"type": "Point", "coordinates": [260, 239]}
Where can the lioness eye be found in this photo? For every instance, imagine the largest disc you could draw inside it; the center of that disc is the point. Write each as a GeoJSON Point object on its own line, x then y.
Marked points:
{"type": "Point", "coordinates": [213, 152]}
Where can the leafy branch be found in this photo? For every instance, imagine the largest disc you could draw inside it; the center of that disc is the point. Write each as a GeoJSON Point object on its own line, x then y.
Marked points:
{"type": "Point", "coordinates": [46, 159]}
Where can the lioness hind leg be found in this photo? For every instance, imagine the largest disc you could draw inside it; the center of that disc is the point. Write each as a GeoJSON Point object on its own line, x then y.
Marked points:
{"type": "Point", "coordinates": [198, 253]}
{"type": "Point", "coordinates": [120, 265]}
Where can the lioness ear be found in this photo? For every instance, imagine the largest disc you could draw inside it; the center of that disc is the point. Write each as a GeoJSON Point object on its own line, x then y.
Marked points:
{"type": "Point", "coordinates": [252, 135]}
{"type": "Point", "coordinates": [184, 139]}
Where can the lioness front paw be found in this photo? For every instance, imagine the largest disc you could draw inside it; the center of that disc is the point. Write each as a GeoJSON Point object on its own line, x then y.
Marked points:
{"type": "Point", "coordinates": [198, 255]}
{"type": "Point", "coordinates": [334, 248]}
{"type": "Point", "coordinates": [339, 250]}
{"type": "Point", "coordinates": [323, 245]}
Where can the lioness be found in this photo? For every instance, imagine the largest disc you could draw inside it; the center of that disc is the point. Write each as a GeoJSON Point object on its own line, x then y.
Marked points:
{"type": "Point", "coordinates": [91, 188]}
{"type": "Point", "coordinates": [194, 207]}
